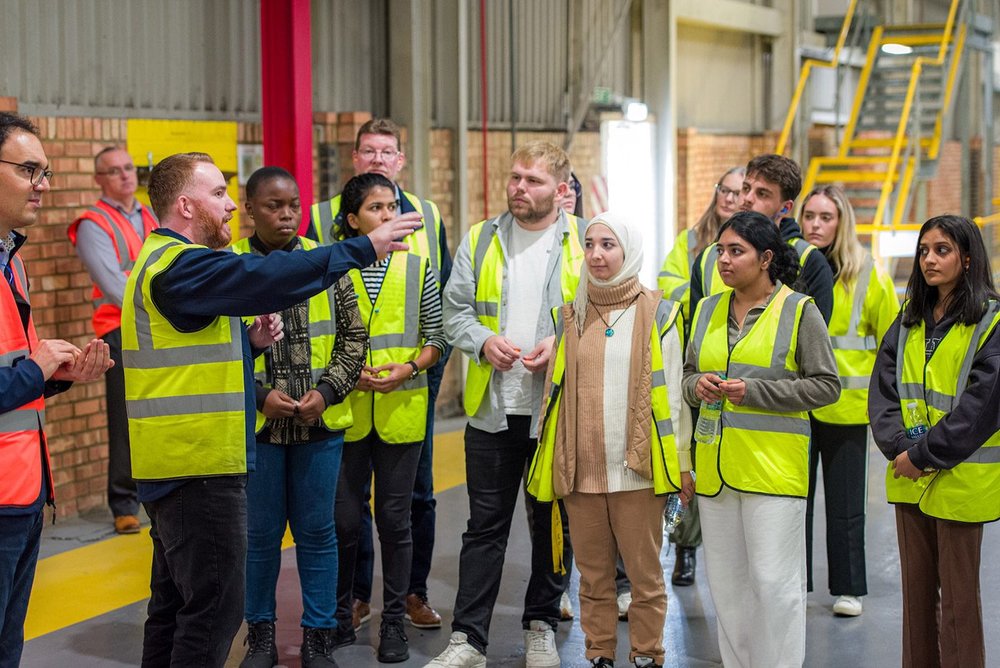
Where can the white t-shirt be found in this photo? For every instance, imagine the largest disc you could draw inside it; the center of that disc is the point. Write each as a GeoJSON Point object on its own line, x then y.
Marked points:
{"type": "Point", "coordinates": [527, 262]}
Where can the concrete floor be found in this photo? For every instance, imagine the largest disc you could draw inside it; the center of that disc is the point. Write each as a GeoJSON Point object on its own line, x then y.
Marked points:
{"type": "Point", "coordinates": [872, 640]}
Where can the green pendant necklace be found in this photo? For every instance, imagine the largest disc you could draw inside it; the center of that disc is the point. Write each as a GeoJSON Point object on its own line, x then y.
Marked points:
{"type": "Point", "coordinates": [609, 330]}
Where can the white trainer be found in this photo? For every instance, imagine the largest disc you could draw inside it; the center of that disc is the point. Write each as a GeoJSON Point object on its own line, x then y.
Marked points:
{"type": "Point", "coordinates": [624, 602]}
{"type": "Point", "coordinates": [565, 608]}
{"type": "Point", "coordinates": [540, 646]}
{"type": "Point", "coordinates": [459, 654]}
{"type": "Point", "coordinates": [847, 606]}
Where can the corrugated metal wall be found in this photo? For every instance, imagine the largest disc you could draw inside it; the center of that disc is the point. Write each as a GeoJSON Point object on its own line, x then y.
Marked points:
{"type": "Point", "coordinates": [542, 69]}
{"type": "Point", "coordinates": [350, 55]}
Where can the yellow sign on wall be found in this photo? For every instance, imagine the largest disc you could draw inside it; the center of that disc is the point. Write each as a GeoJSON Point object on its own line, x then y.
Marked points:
{"type": "Point", "coordinates": [149, 141]}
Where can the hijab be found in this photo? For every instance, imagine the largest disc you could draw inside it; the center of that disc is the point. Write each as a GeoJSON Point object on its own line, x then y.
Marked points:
{"type": "Point", "coordinates": [630, 239]}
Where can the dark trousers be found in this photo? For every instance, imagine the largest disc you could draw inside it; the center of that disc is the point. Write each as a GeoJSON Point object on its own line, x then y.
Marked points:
{"type": "Point", "coordinates": [843, 450]}
{"type": "Point", "coordinates": [199, 533]}
{"type": "Point", "coordinates": [19, 539]}
{"type": "Point", "coordinates": [494, 471]}
{"type": "Point", "coordinates": [942, 610]}
{"type": "Point", "coordinates": [423, 511]}
{"type": "Point", "coordinates": [122, 497]}
{"type": "Point", "coordinates": [688, 532]}
{"type": "Point", "coordinates": [395, 466]}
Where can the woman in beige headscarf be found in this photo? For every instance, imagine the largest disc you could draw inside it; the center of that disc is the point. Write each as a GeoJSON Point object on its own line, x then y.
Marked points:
{"type": "Point", "coordinates": [615, 437]}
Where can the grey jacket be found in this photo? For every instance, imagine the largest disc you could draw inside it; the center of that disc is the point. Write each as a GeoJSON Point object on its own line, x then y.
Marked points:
{"type": "Point", "coordinates": [464, 331]}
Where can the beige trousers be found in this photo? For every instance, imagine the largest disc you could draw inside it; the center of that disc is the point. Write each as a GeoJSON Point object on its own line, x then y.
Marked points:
{"type": "Point", "coordinates": [601, 526]}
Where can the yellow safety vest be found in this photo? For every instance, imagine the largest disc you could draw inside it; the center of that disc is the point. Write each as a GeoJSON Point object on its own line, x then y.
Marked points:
{"type": "Point", "coordinates": [675, 275]}
{"type": "Point", "coordinates": [665, 465]}
{"type": "Point", "coordinates": [488, 268]}
{"type": "Point", "coordinates": [425, 242]}
{"type": "Point", "coordinates": [862, 312]}
{"type": "Point", "coordinates": [756, 450]}
{"type": "Point", "coordinates": [184, 391]}
{"type": "Point", "coordinates": [711, 280]}
{"type": "Point", "coordinates": [969, 492]}
{"type": "Point", "coordinates": [393, 324]}
{"type": "Point", "coordinates": [322, 336]}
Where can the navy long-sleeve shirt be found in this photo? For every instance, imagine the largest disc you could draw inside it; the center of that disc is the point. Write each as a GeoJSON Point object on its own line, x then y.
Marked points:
{"type": "Point", "coordinates": [203, 284]}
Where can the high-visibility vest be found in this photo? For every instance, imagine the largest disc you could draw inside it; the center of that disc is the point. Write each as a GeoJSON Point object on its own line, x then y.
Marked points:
{"type": "Point", "coordinates": [424, 242]}
{"type": "Point", "coordinates": [756, 450]}
{"type": "Point", "coordinates": [969, 492]}
{"type": "Point", "coordinates": [108, 314]}
{"type": "Point", "coordinates": [322, 336]}
{"type": "Point", "coordinates": [184, 391]}
{"type": "Point", "coordinates": [861, 314]}
{"type": "Point", "coordinates": [24, 454]}
{"type": "Point", "coordinates": [711, 280]}
{"type": "Point", "coordinates": [488, 268]}
{"type": "Point", "coordinates": [675, 275]}
{"type": "Point", "coordinates": [393, 324]}
{"type": "Point", "coordinates": [663, 444]}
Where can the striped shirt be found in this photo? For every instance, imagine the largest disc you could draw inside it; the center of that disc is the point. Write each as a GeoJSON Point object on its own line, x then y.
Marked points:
{"type": "Point", "coordinates": [431, 322]}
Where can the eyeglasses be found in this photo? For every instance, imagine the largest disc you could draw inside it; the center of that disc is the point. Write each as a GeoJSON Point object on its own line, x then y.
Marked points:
{"type": "Point", "coordinates": [35, 173]}
{"type": "Point", "coordinates": [725, 192]}
{"type": "Point", "coordinates": [117, 171]}
{"type": "Point", "coordinates": [370, 153]}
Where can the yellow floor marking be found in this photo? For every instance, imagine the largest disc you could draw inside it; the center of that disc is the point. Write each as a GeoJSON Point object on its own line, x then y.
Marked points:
{"type": "Point", "coordinates": [93, 580]}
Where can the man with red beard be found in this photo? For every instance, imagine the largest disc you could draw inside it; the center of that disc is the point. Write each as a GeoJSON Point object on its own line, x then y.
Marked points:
{"type": "Point", "coordinates": [509, 273]}
{"type": "Point", "coordinates": [189, 391]}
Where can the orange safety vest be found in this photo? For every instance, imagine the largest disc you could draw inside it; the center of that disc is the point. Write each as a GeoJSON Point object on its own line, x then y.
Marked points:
{"type": "Point", "coordinates": [24, 455]}
{"type": "Point", "coordinates": [108, 315]}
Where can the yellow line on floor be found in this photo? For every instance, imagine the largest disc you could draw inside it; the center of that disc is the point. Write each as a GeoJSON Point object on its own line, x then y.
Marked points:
{"type": "Point", "coordinates": [92, 580]}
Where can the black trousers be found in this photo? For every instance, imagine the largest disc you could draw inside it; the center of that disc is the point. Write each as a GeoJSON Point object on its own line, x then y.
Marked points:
{"type": "Point", "coordinates": [121, 488]}
{"type": "Point", "coordinates": [843, 450]}
{"type": "Point", "coordinates": [199, 533]}
{"type": "Point", "coordinates": [494, 470]}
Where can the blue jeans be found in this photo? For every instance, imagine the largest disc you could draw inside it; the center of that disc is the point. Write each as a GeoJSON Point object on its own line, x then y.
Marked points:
{"type": "Point", "coordinates": [294, 484]}
{"type": "Point", "coordinates": [199, 533]}
{"type": "Point", "coordinates": [423, 513]}
{"type": "Point", "coordinates": [19, 539]}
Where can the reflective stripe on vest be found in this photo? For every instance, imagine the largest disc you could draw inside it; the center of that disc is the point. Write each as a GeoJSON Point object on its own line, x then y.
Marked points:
{"type": "Point", "coordinates": [393, 324]}
{"type": "Point", "coordinates": [853, 350]}
{"type": "Point", "coordinates": [757, 450]}
{"type": "Point", "coordinates": [969, 492]}
{"type": "Point", "coordinates": [711, 280]}
{"type": "Point", "coordinates": [184, 391]}
{"type": "Point", "coordinates": [24, 456]}
{"type": "Point", "coordinates": [488, 262]}
{"type": "Point", "coordinates": [322, 337]}
{"type": "Point", "coordinates": [126, 243]}
{"type": "Point", "coordinates": [323, 218]}
{"type": "Point", "coordinates": [675, 275]}
{"type": "Point", "coordinates": [663, 456]}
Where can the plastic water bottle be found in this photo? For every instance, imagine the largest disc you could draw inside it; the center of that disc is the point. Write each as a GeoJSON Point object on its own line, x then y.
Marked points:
{"type": "Point", "coordinates": [709, 417]}
{"type": "Point", "coordinates": [918, 426]}
{"type": "Point", "coordinates": [674, 513]}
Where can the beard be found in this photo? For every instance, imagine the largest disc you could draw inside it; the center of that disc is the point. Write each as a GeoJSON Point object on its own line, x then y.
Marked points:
{"type": "Point", "coordinates": [529, 214]}
{"type": "Point", "coordinates": [212, 231]}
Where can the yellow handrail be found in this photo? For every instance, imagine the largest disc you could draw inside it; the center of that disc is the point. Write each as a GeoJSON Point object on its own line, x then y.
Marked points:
{"type": "Point", "coordinates": [804, 76]}
{"type": "Point", "coordinates": [865, 75]}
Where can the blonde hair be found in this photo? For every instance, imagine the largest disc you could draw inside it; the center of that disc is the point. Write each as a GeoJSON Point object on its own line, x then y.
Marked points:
{"type": "Point", "coordinates": [846, 254]}
{"type": "Point", "coordinates": [707, 228]}
{"type": "Point", "coordinates": [553, 158]}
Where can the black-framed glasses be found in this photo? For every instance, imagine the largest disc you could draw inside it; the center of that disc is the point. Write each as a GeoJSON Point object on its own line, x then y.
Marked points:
{"type": "Point", "coordinates": [34, 172]}
{"type": "Point", "coordinates": [370, 153]}
{"type": "Point", "coordinates": [727, 192]}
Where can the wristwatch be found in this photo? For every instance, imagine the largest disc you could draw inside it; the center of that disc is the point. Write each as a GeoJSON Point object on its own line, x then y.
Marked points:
{"type": "Point", "coordinates": [416, 369]}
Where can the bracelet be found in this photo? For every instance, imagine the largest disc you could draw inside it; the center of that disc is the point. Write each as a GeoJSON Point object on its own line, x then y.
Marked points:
{"type": "Point", "coordinates": [416, 369]}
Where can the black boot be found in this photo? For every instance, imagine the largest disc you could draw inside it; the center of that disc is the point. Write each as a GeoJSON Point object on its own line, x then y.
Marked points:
{"type": "Point", "coordinates": [261, 650]}
{"type": "Point", "coordinates": [392, 642]}
{"type": "Point", "coordinates": [684, 567]}
{"type": "Point", "coordinates": [317, 648]}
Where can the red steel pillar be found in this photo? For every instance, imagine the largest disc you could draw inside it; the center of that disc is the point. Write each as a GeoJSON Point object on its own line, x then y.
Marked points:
{"type": "Point", "coordinates": [286, 91]}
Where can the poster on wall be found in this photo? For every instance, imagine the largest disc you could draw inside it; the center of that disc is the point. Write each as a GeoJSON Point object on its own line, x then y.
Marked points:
{"type": "Point", "coordinates": [150, 140]}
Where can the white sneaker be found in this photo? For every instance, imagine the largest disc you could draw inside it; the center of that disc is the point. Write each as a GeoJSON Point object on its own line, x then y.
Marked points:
{"type": "Point", "coordinates": [624, 602]}
{"type": "Point", "coordinates": [540, 646]}
{"type": "Point", "coordinates": [565, 608]}
{"type": "Point", "coordinates": [459, 654]}
{"type": "Point", "coordinates": [847, 606]}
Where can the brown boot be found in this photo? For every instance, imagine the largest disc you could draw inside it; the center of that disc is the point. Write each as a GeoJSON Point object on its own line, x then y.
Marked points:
{"type": "Point", "coordinates": [361, 612]}
{"type": "Point", "coordinates": [420, 613]}
{"type": "Point", "coordinates": [126, 524]}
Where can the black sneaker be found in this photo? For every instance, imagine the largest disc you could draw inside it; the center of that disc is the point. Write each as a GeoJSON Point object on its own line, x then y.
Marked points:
{"type": "Point", "coordinates": [343, 635]}
{"type": "Point", "coordinates": [392, 646]}
{"type": "Point", "coordinates": [317, 648]}
{"type": "Point", "coordinates": [261, 650]}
